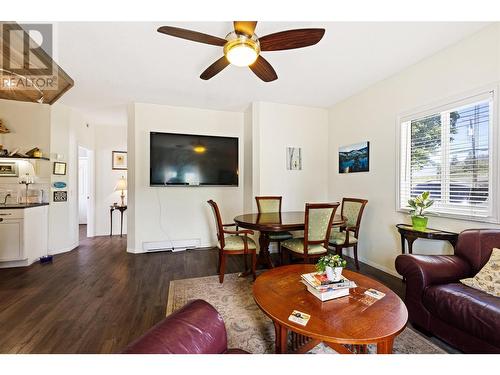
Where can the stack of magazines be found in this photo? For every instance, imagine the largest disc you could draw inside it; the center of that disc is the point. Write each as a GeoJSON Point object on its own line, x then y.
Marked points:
{"type": "Point", "coordinates": [324, 289]}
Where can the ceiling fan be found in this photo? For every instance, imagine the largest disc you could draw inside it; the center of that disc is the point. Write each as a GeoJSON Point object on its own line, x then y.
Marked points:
{"type": "Point", "coordinates": [242, 47]}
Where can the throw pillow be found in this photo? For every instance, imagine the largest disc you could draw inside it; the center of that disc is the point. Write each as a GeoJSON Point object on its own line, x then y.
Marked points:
{"type": "Point", "coordinates": [488, 279]}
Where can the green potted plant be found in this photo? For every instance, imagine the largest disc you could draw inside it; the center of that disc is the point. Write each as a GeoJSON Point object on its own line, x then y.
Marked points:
{"type": "Point", "coordinates": [332, 265]}
{"type": "Point", "coordinates": [418, 205]}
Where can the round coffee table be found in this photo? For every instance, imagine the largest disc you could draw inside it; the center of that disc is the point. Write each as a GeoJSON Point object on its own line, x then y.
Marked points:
{"type": "Point", "coordinates": [354, 320]}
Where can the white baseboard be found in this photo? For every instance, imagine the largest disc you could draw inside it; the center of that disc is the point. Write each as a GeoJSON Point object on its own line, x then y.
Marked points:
{"type": "Point", "coordinates": [380, 267]}
{"type": "Point", "coordinates": [64, 249]}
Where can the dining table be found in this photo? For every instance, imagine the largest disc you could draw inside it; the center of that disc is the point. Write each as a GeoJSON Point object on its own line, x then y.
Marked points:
{"type": "Point", "coordinates": [271, 222]}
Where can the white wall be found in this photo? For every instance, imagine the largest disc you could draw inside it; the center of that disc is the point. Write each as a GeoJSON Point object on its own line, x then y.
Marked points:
{"type": "Point", "coordinates": [248, 199]}
{"type": "Point", "coordinates": [68, 129]}
{"type": "Point", "coordinates": [371, 116]}
{"type": "Point", "coordinates": [170, 213]}
{"type": "Point", "coordinates": [29, 125]}
{"type": "Point", "coordinates": [276, 127]}
{"type": "Point", "coordinates": [108, 138]}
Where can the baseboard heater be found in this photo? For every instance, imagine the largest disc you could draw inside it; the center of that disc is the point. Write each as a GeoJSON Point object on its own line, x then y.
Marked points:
{"type": "Point", "coordinates": [174, 246]}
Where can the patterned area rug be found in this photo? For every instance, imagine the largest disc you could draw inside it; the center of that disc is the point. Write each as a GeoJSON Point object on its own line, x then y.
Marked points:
{"type": "Point", "coordinates": [247, 326]}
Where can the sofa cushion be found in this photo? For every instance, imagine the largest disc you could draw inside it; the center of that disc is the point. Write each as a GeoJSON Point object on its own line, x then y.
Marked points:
{"type": "Point", "coordinates": [468, 309]}
{"type": "Point", "coordinates": [488, 279]}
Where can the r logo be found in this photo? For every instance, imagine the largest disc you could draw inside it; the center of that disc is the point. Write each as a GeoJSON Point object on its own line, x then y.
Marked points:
{"type": "Point", "coordinates": [35, 59]}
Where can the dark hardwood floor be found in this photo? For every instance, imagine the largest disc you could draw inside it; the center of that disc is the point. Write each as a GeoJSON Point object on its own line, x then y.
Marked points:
{"type": "Point", "coordinates": [98, 298]}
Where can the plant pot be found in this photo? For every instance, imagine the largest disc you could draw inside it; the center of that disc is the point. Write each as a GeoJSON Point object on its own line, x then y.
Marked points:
{"type": "Point", "coordinates": [419, 222]}
{"type": "Point", "coordinates": [333, 273]}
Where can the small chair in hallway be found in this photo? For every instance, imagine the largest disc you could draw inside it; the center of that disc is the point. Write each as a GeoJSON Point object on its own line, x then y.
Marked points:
{"type": "Point", "coordinates": [317, 226]}
{"type": "Point", "coordinates": [237, 243]}
{"type": "Point", "coordinates": [272, 204]}
{"type": "Point", "coordinates": [352, 210]}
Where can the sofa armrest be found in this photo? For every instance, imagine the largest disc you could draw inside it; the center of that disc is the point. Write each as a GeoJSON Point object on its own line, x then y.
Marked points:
{"type": "Point", "coordinates": [421, 271]}
{"type": "Point", "coordinates": [196, 328]}
{"type": "Point", "coordinates": [425, 270]}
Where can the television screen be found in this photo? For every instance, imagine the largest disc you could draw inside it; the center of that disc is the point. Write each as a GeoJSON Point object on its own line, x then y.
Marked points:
{"type": "Point", "coordinates": [192, 160]}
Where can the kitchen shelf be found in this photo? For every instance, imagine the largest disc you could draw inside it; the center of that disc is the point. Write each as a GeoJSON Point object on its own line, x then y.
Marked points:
{"type": "Point", "coordinates": [23, 158]}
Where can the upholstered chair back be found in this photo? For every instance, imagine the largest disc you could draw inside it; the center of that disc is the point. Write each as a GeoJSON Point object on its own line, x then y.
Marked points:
{"type": "Point", "coordinates": [218, 222]}
{"type": "Point", "coordinates": [318, 221]}
{"type": "Point", "coordinates": [475, 246]}
{"type": "Point", "coordinates": [268, 204]}
{"type": "Point", "coordinates": [352, 210]}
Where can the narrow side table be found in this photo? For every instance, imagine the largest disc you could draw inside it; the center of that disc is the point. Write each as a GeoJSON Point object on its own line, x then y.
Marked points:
{"type": "Point", "coordinates": [122, 209]}
{"type": "Point", "coordinates": [407, 232]}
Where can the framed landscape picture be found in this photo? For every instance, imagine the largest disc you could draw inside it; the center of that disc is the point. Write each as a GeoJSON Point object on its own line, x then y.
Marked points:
{"type": "Point", "coordinates": [354, 158]}
{"type": "Point", "coordinates": [119, 160]}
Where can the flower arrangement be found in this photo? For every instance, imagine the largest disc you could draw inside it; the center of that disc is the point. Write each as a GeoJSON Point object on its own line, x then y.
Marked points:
{"type": "Point", "coordinates": [330, 260]}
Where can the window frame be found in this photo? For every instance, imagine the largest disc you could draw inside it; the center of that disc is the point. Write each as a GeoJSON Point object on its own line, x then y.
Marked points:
{"type": "Point", "coordinates": [439, 106]}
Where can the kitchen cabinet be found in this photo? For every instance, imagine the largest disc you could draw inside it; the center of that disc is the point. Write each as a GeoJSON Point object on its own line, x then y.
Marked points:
{"type": "Point", "coordinates": [23, 235]}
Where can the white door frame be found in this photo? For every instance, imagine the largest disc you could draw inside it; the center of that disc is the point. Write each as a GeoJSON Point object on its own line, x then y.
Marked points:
{"type": "Point", "coordinates": [90, 190]}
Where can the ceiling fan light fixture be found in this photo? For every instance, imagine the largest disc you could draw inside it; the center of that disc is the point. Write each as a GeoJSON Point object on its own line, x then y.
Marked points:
{"type": "Point", "coordinates": [241, 50]}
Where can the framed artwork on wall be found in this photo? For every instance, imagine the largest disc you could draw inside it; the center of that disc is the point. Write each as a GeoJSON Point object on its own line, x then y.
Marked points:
{"type": "Point", "coordinates": [294, 158]}
{"type": "Point", "coordinates": [354, 158]}
{"type": "Point", "coordinates": [60, 196]}
{"type": "Point", "coordinates": [59, 168]}
{"type": "Point", "coordinates": [8, 169]}
{"type": "Point", "coordinates": [119, 160]}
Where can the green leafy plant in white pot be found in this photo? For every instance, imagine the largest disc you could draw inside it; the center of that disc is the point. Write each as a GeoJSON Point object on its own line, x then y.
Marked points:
{"type": "Point", "coordinates": [332, 265]}
{"type": "Point", "coordinates": [418, 205]}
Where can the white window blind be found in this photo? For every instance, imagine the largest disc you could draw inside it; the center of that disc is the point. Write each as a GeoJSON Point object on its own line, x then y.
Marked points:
{"type": "Point", "coordinates": [447, 152]}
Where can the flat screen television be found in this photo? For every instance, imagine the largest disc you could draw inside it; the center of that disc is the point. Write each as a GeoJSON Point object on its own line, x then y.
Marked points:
{"type": "Point", "coordinates": [193, 160]}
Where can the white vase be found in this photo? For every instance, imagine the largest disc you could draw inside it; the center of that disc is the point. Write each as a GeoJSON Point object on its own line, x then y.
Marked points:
{"type": "Point", "coordinates": [333, 273]}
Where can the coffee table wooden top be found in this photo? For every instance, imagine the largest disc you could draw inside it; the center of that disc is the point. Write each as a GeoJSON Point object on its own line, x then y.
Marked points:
{"type": "Point", "coordinates": [353, 319]}
{"type": "Point", "coordinates": [278, 221]}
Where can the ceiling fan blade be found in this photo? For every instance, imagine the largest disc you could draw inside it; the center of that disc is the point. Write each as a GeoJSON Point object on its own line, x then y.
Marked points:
{"type": "Point", "coordinates": [195, 36]}
{"type": "Point", "coordinates": [263, 70]}
{"type": "Point", "coordinates": [245, 27]}
{"type": "Point", "coordinates": [215, 68]}
{"type": "Point", "coordinates": [291, 39]}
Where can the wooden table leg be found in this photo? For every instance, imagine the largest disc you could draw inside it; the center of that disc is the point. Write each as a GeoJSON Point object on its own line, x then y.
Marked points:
{"type": "Point", "coordinates": [264, 256]}
{"type": "Point", "coordinates": [281, 338]}
{"type": "Point", "coordinates": [410, 241]}
{"type": "Point", "coordinates": [111, 219]}
{"type": "Point", "coordinates": [402, 243]}
{"type": "Point", "coordinates": [385, 347]}
{"type": "Point", "coordinates": [121, 223]}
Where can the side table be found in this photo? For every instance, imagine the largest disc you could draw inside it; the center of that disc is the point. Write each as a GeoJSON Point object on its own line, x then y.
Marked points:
{"type": "Point", "coordinates": [407, 232]}
{"type": "Point", "coordinates": [122, 209]}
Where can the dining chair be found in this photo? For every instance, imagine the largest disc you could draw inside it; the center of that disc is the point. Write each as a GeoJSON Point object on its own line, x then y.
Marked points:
{"type": "Point", "coordinates": [347, 236]}
{"type": "Point", "coordinates": [272, 204]}
{"type": "Point", "coordinates": [317, 226]}
{"type": "Point", "coordinates": [236, 243]}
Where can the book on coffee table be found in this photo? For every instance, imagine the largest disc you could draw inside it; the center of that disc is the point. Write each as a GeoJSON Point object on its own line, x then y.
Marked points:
{"type": "Point", "coordinates": [328, 295]}
{"type": "Point", "coordinates": [319, 282]}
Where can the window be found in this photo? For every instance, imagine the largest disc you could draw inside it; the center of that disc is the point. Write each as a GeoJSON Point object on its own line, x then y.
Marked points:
{"type": "Point", "coordinates": [448, 151]}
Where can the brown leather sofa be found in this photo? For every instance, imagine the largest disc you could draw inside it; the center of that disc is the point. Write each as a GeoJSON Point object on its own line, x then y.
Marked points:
{"type": "Point", "coordinates": [464, 317]}
{"type": "Point", "coordinates": [196, 328]}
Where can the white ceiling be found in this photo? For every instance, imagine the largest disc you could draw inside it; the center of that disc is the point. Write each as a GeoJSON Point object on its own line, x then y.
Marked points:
{"type": "Point", "coordinates": [117, 63]}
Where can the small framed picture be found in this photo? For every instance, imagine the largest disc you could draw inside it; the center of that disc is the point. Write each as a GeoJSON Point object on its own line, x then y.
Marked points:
{"type": "Point", "coordinates": [119, 160]}
{"type": "Point", "coordinates": [60, 196]}
{"type": "Point", "coordinates": [59, 168]}
{"type": "Point", "coordinates": [8, 169]}
{"type": "Point", "coordinates": [294, 158]}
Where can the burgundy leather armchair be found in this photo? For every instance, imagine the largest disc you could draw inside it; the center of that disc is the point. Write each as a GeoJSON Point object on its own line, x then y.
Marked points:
{"type": "Point", "coordinates": [466, 318]}
{"type": "Point", "coordinates": [196, 328]}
